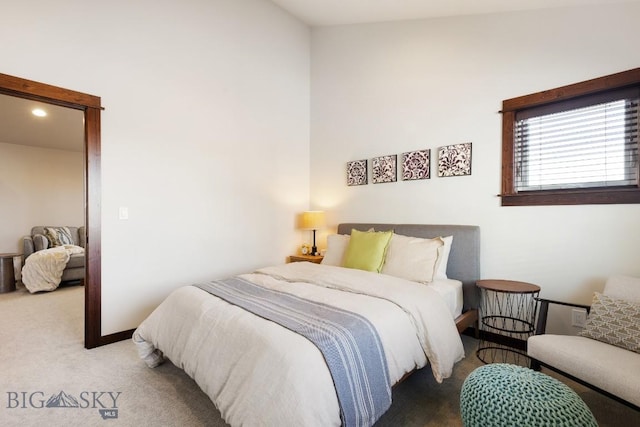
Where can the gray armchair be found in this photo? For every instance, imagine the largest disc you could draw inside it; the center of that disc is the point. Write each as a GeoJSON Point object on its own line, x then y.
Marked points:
{"type": "Point", "coordinates": [37, 241]}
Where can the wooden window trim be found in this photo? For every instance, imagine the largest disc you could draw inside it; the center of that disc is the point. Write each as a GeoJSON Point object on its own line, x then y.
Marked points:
{"type": "Point", "coordinates": [560, 197]}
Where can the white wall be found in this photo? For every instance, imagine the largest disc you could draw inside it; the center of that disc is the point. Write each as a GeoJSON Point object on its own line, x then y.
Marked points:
{"type": "Point", "coordinates": [206, 131]}
{"type": "Point", "coordinates": [205, 136]}
{"type": "Point", "coordinates": [388, 88]}
{"type": "Point", "coordinates": [38, 186]}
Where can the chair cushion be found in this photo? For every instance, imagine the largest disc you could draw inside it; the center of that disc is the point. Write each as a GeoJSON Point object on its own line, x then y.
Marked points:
{"type": "Point", "coordinates": [608, 367]}
{"type": "Point", "coordinates": [40, 242]}
{"type": "Point", "coordinates": [58, 236]}
{"type": "Point", "coordinates": [623, 287]}
{"type": "Point", "coordinates": [614, 321]}
{"type": "Point", "coordinates": [76, 261]}
{"type": "Point", "coordinates": [77, 233]}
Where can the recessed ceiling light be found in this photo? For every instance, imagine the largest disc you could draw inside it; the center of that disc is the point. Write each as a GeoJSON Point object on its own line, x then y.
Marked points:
{"type": "Point", "coordinates": [39, 112]}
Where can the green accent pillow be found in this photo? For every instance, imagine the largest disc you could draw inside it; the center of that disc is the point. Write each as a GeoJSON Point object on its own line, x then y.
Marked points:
{"type": "Point", "coordinates": [367, 250]}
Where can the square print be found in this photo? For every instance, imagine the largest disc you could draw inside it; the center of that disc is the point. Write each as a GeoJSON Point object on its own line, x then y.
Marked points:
{"type": "Point", "coordinates": [384, 169]}
{"type": "Point", "coordinates": [357, 172]}
{"type": "Point", "coordinates": [454, 160]}
{"type": "Point", "coordinates": [415, 165]}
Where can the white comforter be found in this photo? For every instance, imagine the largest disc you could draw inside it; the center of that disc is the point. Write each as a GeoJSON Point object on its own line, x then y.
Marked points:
{"type": "Point", "coordinates": [43, 269]}
{"type": "Point", "coordinates": [259, 373]}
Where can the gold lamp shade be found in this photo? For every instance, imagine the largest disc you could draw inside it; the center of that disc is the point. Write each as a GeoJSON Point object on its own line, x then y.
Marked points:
{"type": "Point", "coordinates": [312, 220]}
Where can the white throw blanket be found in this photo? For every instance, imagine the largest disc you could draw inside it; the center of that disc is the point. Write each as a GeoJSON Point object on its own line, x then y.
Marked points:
{"type": "Point", "coordinates": [43, 269]}
{"type": "Point", "coordinates": [259, 373]}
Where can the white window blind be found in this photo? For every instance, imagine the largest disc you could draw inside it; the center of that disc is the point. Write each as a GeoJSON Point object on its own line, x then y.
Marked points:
{"type": "Point", "coordinates": [582, 143]}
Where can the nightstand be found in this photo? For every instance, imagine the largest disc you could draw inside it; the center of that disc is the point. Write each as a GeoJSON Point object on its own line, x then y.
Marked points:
{"type": "Point", "coordinates": [310, 258]}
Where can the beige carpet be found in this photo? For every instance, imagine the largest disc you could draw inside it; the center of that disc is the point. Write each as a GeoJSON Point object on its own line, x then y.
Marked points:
{"type": "Point", "coordinates": [42, 354]}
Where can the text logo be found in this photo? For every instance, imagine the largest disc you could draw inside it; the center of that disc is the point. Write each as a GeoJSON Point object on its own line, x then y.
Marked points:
{"type": "Point", "coordinates": [106, 402]}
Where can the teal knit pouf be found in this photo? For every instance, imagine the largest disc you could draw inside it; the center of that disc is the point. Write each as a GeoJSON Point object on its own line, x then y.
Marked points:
{"type": "Point", "coordinates": [500, 395]}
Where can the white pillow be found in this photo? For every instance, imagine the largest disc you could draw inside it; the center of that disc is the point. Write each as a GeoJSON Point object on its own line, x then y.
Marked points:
{"type": "Point", "coordinates": [412, 258]}
{"type": "Point", "coordinates": [336, 245]}
{"type": "Point", "coordinates": [443, 258]}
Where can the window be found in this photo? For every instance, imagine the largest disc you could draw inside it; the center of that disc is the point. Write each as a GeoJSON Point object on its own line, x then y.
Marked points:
{"type": "Point", "coordinates": [576, 144]}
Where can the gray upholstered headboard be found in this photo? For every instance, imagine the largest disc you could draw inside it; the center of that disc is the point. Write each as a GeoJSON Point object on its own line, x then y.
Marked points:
{"type": "Point", "coordinates": [464, 259]}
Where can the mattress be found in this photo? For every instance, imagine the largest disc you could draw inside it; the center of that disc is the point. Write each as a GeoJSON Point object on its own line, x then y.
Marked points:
{"type": "Point", "coordinates": [451, 292]}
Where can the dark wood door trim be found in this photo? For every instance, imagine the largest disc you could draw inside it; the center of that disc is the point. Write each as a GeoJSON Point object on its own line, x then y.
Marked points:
{"type": "Point", "coordinates": [93, 272]}
{"type": "Point", "coordinates": [90, 104]}
{"type": "Point", "coordinates": [23, 88]}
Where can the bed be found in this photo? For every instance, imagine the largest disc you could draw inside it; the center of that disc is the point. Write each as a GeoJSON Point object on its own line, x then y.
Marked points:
{"type": "Point", "coordinates": [258, 372]}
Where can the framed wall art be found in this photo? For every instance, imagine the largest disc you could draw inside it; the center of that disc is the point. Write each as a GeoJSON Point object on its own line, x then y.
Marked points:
{"type": "Point", "coordinates": [454, 160]}
{"type": "Point", "coordinates": [415, 165]}
{"type": "Point", "coordinates": [357, 172]}
{"type": "Point", "coordinates": [384, 169]}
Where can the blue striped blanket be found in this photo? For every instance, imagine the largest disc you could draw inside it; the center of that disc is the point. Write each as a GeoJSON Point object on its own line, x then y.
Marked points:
{"type": "Point", "coordinates": [349, 343]}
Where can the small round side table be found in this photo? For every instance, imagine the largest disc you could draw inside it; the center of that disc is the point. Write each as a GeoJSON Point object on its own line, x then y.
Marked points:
{"type": "Point", "coordinates": [7, 276]}
{"type": "Point", "coordinates": [507, 315]}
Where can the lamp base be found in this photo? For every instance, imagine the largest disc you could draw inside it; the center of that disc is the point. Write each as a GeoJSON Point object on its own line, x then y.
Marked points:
{"type": "Point", "coordinates": [314, 248]}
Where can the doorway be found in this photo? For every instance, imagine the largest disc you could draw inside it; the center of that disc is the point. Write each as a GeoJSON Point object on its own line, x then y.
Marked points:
{"type": "Point", "coordinates": [90, 105]}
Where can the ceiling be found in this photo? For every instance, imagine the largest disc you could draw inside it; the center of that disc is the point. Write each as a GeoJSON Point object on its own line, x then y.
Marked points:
{"type": "Point", "coordinates": [339, 12]}
{"type": "Point", "coordinates": [61, 129]}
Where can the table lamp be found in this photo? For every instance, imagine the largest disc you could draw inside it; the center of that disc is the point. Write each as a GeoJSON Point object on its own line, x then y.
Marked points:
{"type": "Point", "coordinates": [312, 220]}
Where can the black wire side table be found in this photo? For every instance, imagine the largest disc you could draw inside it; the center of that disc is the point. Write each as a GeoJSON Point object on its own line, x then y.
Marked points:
{"type": "Point", "coordinates": [507, 315]}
